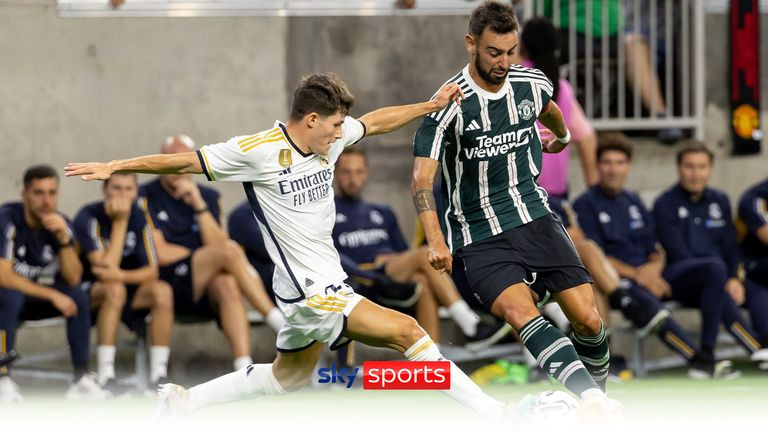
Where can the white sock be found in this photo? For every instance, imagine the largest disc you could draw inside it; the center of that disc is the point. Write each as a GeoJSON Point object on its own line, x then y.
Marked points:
{"type": "Point", "coordinates": [464, 317]}
{"type": "Point", "coordinates": [530, 360]}
{"type": "Point", "coordinates": [463, 389]}
{"type": "Point", "coordinates": [158, 362]}
{"type": "Point", "coordinates": [555, 313]}
{"type": "Point", "coordinates": [242, 362]}
{"type": "Point", "coordinates": [105, 356]}
{"type": "Point", "coordinates": [275, 319]}
{"type": "Point", "coordinates": [253, 380]}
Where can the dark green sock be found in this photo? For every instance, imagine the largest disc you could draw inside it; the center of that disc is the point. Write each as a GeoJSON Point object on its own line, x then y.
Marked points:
{"type": "Point", "coordinates": [594, 353]}
{"type": "Point", "coordinates": [556, 355]}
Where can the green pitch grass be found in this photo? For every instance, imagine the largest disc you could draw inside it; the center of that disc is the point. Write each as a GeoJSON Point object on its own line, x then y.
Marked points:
{"type": "Point", "coordinates": [663, 401]}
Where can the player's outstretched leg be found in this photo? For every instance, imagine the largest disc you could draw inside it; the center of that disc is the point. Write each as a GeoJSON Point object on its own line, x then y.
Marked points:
{"type": "Point", "coordinates": [374, 325]}
{"type": "Point", "coordinates": [588, 336]}
{"type": "Point", "coordinates": [289, 372]}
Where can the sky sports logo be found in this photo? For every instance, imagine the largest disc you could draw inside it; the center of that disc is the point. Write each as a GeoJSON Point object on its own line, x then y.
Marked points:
{"type": "Point", "coordinates": [392, 375]}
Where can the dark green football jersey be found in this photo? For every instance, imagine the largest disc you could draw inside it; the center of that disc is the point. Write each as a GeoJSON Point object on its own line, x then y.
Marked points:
{"type": "Point", "coordinates": [490, 153]}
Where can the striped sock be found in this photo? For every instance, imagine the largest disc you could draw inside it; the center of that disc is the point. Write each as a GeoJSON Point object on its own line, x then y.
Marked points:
{"type": "Point", "coordinates": [555, 354]}
{"type": "Point", "coordinates": [594, 353]}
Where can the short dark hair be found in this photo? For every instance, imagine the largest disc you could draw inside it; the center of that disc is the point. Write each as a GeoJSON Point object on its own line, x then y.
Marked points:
{"type": "Point", "coordinates": [500, 17]}
{"type": "Point", "coordinates": [355, 150]}
{"type": "Point", "coordinates": [693, 146]}
{"type": "Point", "coordinates": [134, 175]}
{"type": "Point", "coordinates": [325, 94]}
{"type": "Point", "coordinates": [38, 172]}
{"type": "Point", "coordinates": [614, 142]}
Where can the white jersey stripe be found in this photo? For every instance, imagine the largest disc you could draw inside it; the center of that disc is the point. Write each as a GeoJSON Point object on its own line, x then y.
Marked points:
{"type": "Point", "coordinates": [485, 202]}
{"type": "Point", "coordinates": [531, 164]}
{"type": "Point", "coordinates": [522, 209]}
{"type": "Point", "coordinates": [484, 116]}
{"type": "Point", "coordinates": [458, 211]}
{"type": "Point", "coordinates": [513, 118]}
{"type": "Point", "coordinates": [440, 133]}
{"type": "Point", "coordinates": [536, 97]}
{"type": "Point", "coordinates": [449, 208]}
{"type": "Point", "coordinates": [544, 84]}
{"type": "Point", "coordinates": [531, 77]}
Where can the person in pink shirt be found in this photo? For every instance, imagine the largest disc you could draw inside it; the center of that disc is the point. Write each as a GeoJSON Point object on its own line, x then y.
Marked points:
{"type": "Point", "coordinates": [538, 48]}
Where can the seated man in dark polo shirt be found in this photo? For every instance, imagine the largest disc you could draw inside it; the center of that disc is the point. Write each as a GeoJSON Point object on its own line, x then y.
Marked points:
{"type": "Point", "coordinates": [208, 272]}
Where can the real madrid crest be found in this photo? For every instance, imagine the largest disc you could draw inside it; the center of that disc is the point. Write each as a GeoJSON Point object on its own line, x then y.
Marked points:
{"type": "Point", "coordinates": [323, 161]}
{"type": "Point", "coordinates": [525, 109]}
{"type": "Point", "coordinates": [285, 159]}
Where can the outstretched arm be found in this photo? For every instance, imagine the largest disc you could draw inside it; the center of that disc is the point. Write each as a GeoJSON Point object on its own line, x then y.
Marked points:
{"type": "Point", "coordinates": [424, 170]}
{"type": "Point", "coordinates": [388, 119]}
{"type": "Point", "coordinates": [178, 163]}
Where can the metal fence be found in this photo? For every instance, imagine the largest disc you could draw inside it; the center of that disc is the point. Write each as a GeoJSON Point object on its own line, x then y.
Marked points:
{"type": "Point", "coordinates": [601, 59]}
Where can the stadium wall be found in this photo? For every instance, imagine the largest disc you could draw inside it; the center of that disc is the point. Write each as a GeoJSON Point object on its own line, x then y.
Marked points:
{"type": "Point", "coordinates": [85, 89]}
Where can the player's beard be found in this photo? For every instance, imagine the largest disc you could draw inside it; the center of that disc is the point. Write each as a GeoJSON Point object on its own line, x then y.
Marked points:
{"type": "Point", "coordinates": [486, 75]}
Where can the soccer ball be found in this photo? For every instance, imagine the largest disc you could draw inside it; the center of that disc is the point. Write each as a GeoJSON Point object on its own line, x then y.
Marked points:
{"type": "Point", "coordinates": [553, 403]}
{"type": "Point", "coordinates": [551, 410]}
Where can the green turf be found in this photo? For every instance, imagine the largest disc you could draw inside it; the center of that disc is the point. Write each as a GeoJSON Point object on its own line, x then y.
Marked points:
{"type": "Point", "coordinates": [663, 401]}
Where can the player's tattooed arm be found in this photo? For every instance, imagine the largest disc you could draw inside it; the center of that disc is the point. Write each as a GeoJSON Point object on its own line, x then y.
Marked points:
{"type": "Point", "coordinates": [422, 179]}
{"type": "Point", "coordinates": [424, 200]}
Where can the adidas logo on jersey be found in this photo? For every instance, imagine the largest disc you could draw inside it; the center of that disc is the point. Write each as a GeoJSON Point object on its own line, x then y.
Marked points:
{"type": "Point", "coordinates": [472, 126]}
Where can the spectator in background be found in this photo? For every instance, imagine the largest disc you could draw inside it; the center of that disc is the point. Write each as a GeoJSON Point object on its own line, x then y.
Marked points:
{"type": "Point", "coordinates": [39, 277]}
{"type": "Point", "coordinates": [538, 49]}
{"type": "Point", "coordinates": [603, 18]}
{"type": "Point", "coordinates": [640, 307]}
{"type": "Point", "coordinates": [695, 225]}
{"type": "Point", "coordinates": [753, 217]}
{"type": "Point", "coordinates": [617, 221]}
{"type": "Point", "coordinates": [368, 234]}
{"type": "Point", "coordinates": [247, 234]}
{"type": "Point", "coordinates": [121, 272]}
{"type": "Point", "coordinates": [640, 74]}
{"type": "Point", "coordinates": [208, 272]}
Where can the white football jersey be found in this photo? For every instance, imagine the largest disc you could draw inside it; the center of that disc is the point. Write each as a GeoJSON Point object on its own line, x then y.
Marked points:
{"type": "Point", "coordinates": [291, 195]}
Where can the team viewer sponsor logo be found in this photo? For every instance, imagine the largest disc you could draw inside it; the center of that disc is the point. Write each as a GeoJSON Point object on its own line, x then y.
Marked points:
{"type": "Point", "coordinates": [488, 146]}
{"type": "Point", "coordinates": [392, 375]}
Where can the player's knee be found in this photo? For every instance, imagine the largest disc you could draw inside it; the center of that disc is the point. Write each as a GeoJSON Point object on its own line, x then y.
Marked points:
{"type": "Point", "coordinates": [585, 246]}
{"type": "Point", "coordinates": [515, 314]}
{"type": "Point", "coordinates": [226, 290]}
{"type": "Point", "coordinates": [81, 299]}
{"type": "Point", "coordinates": [162, 295]}
{"type": "Point", "coordinates": [410, 331]}
{"type": "Point", "coordinates": [422, 254]}
{"type": "Point", "coordinates": [587, 324]}
{"type": "Point", "coordinates": [114, 294]}
{"type": "Point", "coordinates": [232, 251]}
{"type": "Point", "coordinates": [715, 270]}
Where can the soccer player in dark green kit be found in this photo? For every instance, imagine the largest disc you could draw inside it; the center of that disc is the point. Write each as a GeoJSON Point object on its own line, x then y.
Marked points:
{"type": "Point", "coordinates": [497, 220]}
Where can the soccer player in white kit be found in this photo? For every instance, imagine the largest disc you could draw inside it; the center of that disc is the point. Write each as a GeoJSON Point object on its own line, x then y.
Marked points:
{"type": "Point", "coordinates": [287, 173]}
